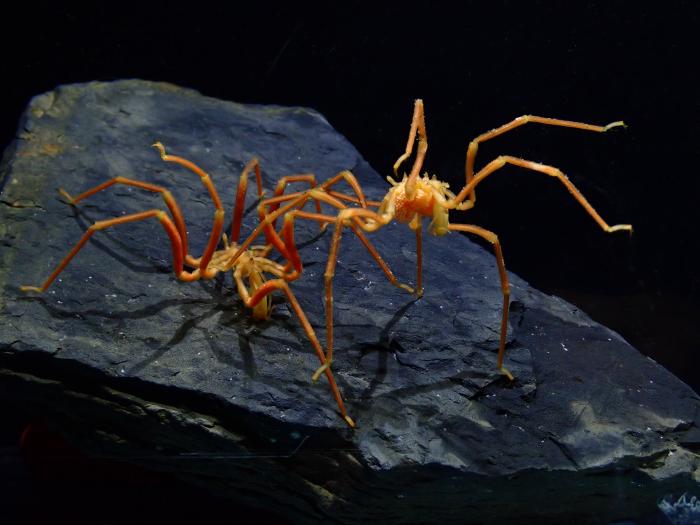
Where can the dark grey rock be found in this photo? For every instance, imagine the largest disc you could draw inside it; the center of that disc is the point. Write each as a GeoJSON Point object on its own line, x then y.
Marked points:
{"type": "Point", "coordinates": [123, 359]}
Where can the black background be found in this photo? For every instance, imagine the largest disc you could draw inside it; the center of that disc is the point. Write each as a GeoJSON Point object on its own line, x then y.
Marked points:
{"type": "Point", "coordinates": [476, 66]}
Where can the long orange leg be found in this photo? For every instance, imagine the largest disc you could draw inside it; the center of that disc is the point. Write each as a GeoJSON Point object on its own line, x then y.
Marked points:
{"type": "Point", "coordinates": [501, 161]}
{"type": "Point", "coordinates": [470, 196]}
{"type": "Point", "coordinates": [167, 223]}
{"type": "Point", "coordinates": [217, 228]}
{"type": "Point", "coordinates": [337, 196]}
{"type": "Point", "coordinates": [265, 223]}
{"type": "Point", "coordinates": [270, 206]}
{"type": "Point", "coordinates": [348, 198]}
{"type": "Point", "coordinates": [349, 216]}
{"type": "Point", "coordinates": [352, 181]}
{"type": "Point", "coordinates": [344, 175]}
{"type": "Point", "coordinates": [505, 287]}
{"type": "Point", "coordinates": [344, 217]}
{"type": "Point", "coordinates": [379, 220]}
{"type": "Point", "coordinates": [328, 280]}
{"type": "Point", "coordinates": [282, 184]}
{"type": "Point", "coordinates": [170, 201]}
{"type": "Point", "coordinates": [327, 219]}
{"type": "Point", "coordinates": [288, 230]}
{"type": "Point", "coordinates": [419, 260]}
{"type": "Point", "coordinates": [357, 225]}
{"type": "Point", "coordinates": [271, 235]}
{"type": "Point", "coordinates": [417, 127]}
{"type": "Point", "coordinates": [320, 195]}
{"type": "Point", "coordinates": [296, 202]}
{"type": "Point", "coordinates": [281, 284]}
{"type": "Point", "coordinates": [274, 203]}
{"type": "Point", "coordinates": [262, 292]}
{"type": "Point", "coordinates": [239, 206]}
{"type": "Point", "coordinates": [289, 250]}
{"type": "Point", "coordinates": [203, 175]}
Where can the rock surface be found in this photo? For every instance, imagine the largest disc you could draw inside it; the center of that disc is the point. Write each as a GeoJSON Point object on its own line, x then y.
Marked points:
{"type": "Point", "coordinates": [178, 377]}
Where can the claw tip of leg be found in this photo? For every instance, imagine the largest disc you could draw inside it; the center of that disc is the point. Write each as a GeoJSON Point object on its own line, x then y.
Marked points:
{"type": "Point", "coordinates": [621, 227]}
{"type": "Point", "coordinates": [159, 146]}
{"type": "Point", "coordinates": [507, 373]}
{"type": "Point", "coordinates": [321, 370]}
{"type": "Point", "coordinates": [618, 123]}
{"type": "Point", "coordinates": [66, 196]}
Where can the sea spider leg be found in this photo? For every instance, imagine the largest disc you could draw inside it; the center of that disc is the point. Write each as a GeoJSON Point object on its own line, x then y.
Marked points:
{"type": "Point", "coordinates": [321, 194]}
{"type": "Point", "coordinates": [345, 175]}
{"type": "Point", "coordinates": [348, 198]}
{"type": "Point", "coordinates": [265, 226]}
{"type": "Point", "coordinates": [260, 228]}
{"type": "Point", "coordinates": [255, 264]}
{"type": "Point", "coordinates": [351, 180]}
{"type": "Point", "coordinates": [301, 198]}
{"type": "Point", "coordinates": [281, 284]}
{"type": "Point", "coordinates": [291, 210]}
{"type": "Point", "coordinates": [419, 258]}
{"type": "Point", "coordinates": [298, 200]}
{"type": "Point", "coordinates": [167, 223]}
{"type": "Point", "coordinates": [373, 221]}
{"type": "Point", "coordinates": [279, 197]}
{"type": "Point", "coordinates": [271, 236]}
{"type": "Point", "coordinates": [501, 161]}
{"type": "Point", "coordinates": [520, 121]}
{"type": "Point", "coordinates": [239, 206]}
{"type": "Point", "coordinates": [354, 184]}
{"type": "Point", "coordinates": [167, 197]}
{"type": "Point", "coordinates": [505, 286]}
{"type": "Point", "coordinates": [282, 184]}
{"type": "Point", "coordinates": [217, 228]}
{"type": "Point", "coordinates": [274, 203]}
{"type": "Point", "coordinates": [345, 218]}
{"type": "Point", "coordinates": [356, 225]}
{"type": "Point", "coordinates": [417, 126]}
{"type": "Point", "coordinates": [178, 242]}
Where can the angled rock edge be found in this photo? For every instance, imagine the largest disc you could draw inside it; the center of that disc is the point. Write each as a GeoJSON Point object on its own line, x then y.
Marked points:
{"type": "Point", "coordinates": [181, 378]}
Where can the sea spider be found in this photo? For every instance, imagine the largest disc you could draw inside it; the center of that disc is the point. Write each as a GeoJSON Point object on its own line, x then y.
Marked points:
{"type": "Point", "coordinates": [250, 265]}
{"type": "Point", "coordinates": [413, 199]}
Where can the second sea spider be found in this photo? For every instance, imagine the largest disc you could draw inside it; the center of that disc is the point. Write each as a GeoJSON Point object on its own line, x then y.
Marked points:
{"type": "Point", "coordinates": [250, 265]}
{"type": "Point", "coordinates": [415, 198]}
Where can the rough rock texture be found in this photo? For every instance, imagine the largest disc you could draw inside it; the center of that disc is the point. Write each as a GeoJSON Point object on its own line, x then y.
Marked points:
{"type": "Point", "coordinates": [125, 360]}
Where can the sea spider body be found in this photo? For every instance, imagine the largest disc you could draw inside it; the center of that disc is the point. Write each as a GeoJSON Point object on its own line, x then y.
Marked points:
{"type": "Point", "coordinates": [249, 267]}
{"type": "Point", "coordinates": [429, 198]}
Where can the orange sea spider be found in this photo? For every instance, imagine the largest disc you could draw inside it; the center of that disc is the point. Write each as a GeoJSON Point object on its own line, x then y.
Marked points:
{"type": "Point", "coordinates": [415, 198]}
{"type": "Point", "coordinates": [250, 265]}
